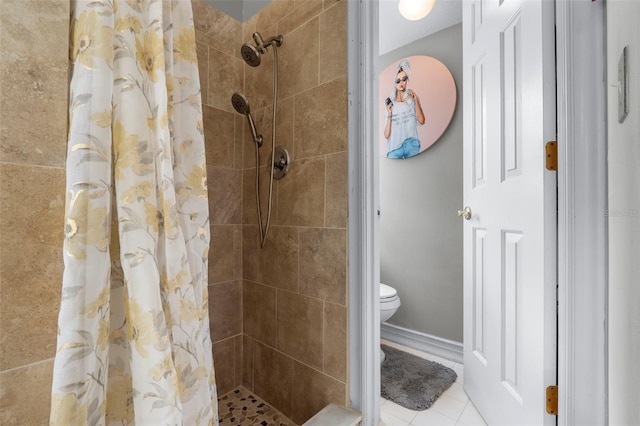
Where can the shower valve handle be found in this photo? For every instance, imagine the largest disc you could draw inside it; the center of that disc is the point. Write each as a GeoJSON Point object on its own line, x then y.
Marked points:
{"type": "Point", "coordinates": [280, 163]}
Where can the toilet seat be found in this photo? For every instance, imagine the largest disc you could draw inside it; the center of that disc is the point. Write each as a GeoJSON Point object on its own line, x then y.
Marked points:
{"type": "Point", "coordinates": [387, 292]}
{"type": "Point", "coordinates": [389, 302]}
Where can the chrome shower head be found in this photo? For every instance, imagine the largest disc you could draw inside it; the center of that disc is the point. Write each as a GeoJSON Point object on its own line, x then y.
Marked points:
{"type": "Point", "coordinates": [251, 54]}
{"type": "Point", "coordinates": [241, 105]}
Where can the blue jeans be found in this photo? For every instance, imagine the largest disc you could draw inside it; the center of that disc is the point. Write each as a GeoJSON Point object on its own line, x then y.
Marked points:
{"type": "Point", "coordinates": [409, 148]}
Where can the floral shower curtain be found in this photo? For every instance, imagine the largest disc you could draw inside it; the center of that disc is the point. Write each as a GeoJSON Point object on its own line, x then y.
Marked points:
{"type": "Point", "coordinates": [133, 331]}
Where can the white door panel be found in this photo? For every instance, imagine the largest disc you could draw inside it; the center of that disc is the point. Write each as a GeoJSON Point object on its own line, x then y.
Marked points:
{"type": "Point", "coordinates": [509, 241]}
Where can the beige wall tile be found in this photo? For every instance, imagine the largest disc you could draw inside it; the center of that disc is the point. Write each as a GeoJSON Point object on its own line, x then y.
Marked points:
{"type": "Point", "coordinates": [333, 39]}
{"type": "Point", "coordinates": [25, 394]}
{"type": "Point", "coordinates": [225, 253]}
{"type": "Point", "coordinates": [272, 377]}
{"type": "Point", "coordinates": [323, 264]}
{"type": "Point", "coordinates": [30, 302]}
{"type": "Point", "coordinates": [217, 26]}
{"type": "Point", "coordinates": [237, 344]}
{"type": "Point", "coordinates": [32, 204]}
{"type": "Point", "coordinates": [31, 230]}
{"type": "Point", "coordinates": [335, 341]}
{"type": "Point", "coordinates": [219, 136]}
{"type": "Point", "coordinates": [320, 125]}
{"type": "Point", "coordinates": [263, 121]}
{"type": "Point", "coordinates": [225, 310]}
{"type": "Point", "coordinates": [303, 12]}
{"type": "Point", "coordinates": [247, 362]}
{"type": "Point", "coordinates": [284, 126]}
{"type": "Point", "coordinates": [202, 52]}
{"type": "Point", "coordinates": [223, 362]}
{"type": "Point", "coordinates": [204, 38]}
{"type": "Point", "coordinates": [278, 260]}
{"type": "Point", "coordinates": [245, 139]}
{"type": "Point", "coordinates": [249, 27]}
{"type": "Point", "coordinates": [249, 210]}
{"type": "Point", "coordinates": [336, 202]}
{"type": "Point", "coordinates": [34, 80]}
{"type": "Point", "coordinates": [264, 125]}
{"type": "Point", "coordinates": [300, 3]}
{"type": "Point", "coordinates": [250, 247]}
{"type": "Point", "coordinates": [312, 391]}
{"type": "Point", "coordinates": [311, 122]}
{"type": "Point", "coordinates": [259, 312]}
{"type": "Point", "coordinates": [272, 13]}
{"type": "Point", "coordinates": [300, 327]}
{"type": "Point", "coordinates": [239, 122]}
{"type": "Point", "coordinates": [301, 194]}
{"type": "Point", "coordinates": [298, 60]}
{"type": "Point", "coordinates": [329, 3]}
{"type": "Point", "coordinates": [225, 195]}
{"type": "Point", "coordinates": [258, 81]}
{"type": "Point", "coordinates": [226, 73]}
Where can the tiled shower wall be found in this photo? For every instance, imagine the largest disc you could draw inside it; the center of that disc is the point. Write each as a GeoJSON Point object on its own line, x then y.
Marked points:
{"type": "Point", "coordinates": [33, 132]}
{"type": "Point", "coordinates": [294, 290]}
{"type": "Point", "coordinates": [287, 302]}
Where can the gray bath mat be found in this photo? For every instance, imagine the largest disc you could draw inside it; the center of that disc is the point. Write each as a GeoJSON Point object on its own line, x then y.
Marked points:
{"type": "Point", "coordinates": [411, 381]}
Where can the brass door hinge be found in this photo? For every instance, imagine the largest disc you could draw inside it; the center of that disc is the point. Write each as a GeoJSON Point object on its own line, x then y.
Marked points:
{"type": "Point", "coordinates": [552, 400]}
{"type": "Point", "coordinates": [551, 149]}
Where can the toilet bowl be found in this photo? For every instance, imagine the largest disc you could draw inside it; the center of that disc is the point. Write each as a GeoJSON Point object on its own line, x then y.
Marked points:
{"type": "Point", "coordinates": [389, 304]}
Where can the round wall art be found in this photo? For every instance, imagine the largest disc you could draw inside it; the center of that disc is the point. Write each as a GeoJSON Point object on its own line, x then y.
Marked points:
{"type": "Point", "coordinates": [418, 98]}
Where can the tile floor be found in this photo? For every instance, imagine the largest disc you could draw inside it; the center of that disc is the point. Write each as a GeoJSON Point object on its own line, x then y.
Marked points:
{"type": "Point", "coordinates": [453, 408]}
{"type": "Point", "coordinates": [241, 407]}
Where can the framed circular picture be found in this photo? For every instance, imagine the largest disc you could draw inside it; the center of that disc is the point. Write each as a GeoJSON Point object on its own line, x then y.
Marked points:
{"type": "Point", "coordinates": [418, 98]}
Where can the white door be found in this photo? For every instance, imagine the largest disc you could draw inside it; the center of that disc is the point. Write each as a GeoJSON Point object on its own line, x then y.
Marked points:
{"type": "Point", "coordinates": [510, 238]}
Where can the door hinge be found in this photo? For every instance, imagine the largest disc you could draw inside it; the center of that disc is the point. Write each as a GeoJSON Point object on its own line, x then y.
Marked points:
{"type": "Point", "coordinates": [552, 400]}
{"type": "Point", "coordinates": [551, 149]}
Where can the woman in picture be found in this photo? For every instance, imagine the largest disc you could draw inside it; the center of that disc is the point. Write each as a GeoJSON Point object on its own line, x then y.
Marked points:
{"type": "Point", "coordinates": [402, 117]}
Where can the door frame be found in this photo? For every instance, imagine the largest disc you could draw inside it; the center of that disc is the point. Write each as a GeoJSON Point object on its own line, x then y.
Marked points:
{"type": "Point", "coordinates": [582, 202]}
{"type": "Point", "coordinates": [581, 109]}
{"type": "Point", "coordinates": [363, 224]}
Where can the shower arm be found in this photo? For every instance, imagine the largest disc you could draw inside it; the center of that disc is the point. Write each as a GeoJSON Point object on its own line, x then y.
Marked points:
{"type": "Point", "coordinates": [262, 45]}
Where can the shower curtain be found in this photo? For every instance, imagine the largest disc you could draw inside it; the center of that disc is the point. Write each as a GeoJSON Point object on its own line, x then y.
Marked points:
{"type": "Point", "coordinates": [133, 331]}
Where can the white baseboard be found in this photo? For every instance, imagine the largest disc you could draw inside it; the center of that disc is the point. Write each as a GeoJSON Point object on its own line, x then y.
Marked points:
{"type": "Point", "coordinates": [447, 349]}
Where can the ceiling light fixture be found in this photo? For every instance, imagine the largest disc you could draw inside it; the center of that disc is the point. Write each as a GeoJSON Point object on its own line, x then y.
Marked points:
{"type": "Point", "coordinates": [414, 10]}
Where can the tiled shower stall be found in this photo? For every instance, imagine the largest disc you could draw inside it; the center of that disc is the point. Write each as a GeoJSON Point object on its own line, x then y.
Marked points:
{"type": "Point", "coordinates": [278, 314]}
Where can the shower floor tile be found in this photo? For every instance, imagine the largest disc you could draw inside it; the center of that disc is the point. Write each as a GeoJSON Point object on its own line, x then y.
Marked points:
{"type": "Point", "coordinates": [241, 407]}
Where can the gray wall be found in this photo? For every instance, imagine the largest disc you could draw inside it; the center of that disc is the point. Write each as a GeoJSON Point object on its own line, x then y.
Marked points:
{"type": "Point", "coordinates": [241, 10]}
{"type": "Point", "coordinates": [420, 234]}
{"type": "Point", "coordinates": [624, 218]}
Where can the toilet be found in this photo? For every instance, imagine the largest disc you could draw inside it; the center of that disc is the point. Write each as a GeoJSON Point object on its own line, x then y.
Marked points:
{"type": "Point", "coordinates": [389, 304]}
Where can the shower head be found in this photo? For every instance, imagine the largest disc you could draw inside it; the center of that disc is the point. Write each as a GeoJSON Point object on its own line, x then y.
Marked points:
{"type": "Point", "coordinates": [241, 105]}
{"type": "Point", "coordinates": [251, 54]}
